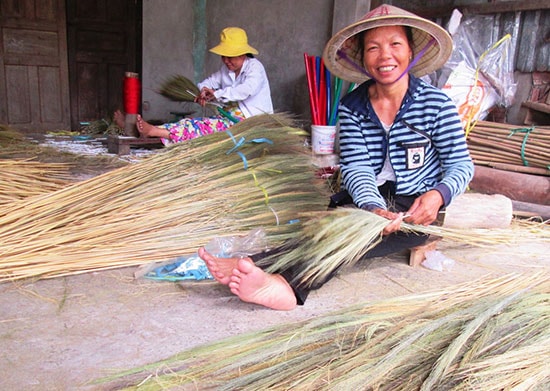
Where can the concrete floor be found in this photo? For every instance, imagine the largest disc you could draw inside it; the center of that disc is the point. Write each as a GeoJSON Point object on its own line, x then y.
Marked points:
{"type": "Point", "coordinates": [63, 333]}
{"type": "Point", "coordinates": [66, 332]}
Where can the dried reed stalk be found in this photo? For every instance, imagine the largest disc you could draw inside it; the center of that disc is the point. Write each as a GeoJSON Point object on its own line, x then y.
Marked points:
{"type": "Point", "coordinates": [490, 334]}
{"type": "Point", "coordinates": [168, 204]}
{"type": "Point", "coordinates": [25, 178]}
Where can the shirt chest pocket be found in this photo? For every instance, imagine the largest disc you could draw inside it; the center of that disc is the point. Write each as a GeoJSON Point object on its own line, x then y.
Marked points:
{"type": "Point", "coordinates": [415, 153]}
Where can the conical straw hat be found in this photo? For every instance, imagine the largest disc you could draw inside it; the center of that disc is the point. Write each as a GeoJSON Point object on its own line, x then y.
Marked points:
{"type": "Point", "coordinates": [342, 57]}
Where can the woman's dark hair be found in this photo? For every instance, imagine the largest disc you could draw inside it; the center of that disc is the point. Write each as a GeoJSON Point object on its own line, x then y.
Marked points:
{"type": "Point", "coordinates": [249, 55]}
{"type": "Point", "coordinates": [361, 41]}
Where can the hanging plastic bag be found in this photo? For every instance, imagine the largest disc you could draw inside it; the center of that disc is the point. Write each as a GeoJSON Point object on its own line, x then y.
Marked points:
{"type": "Point", "coordinates": [472, 93]}
{"type": "Point", "coordinates": [479, 73]}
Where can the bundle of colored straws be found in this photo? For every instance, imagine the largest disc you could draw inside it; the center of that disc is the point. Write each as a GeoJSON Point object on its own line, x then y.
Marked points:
{"type": "Point", "coordinates": [324, 91]}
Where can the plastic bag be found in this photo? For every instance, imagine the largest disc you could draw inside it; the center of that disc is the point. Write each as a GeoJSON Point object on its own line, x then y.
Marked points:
{"type": "Point", "coordinates": [436, 260]}
{"type": "Point", "coordinates": [479, 74]}
{"type": "Point", "coordinates": [192, 267]}
{"type": "Point", "coordinates": [474, 97]}
{"type": "Point", "coordinates": [238, 246]}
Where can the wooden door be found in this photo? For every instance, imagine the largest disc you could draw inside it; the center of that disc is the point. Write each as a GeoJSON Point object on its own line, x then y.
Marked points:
{"type": "Point", "coordinates": [34, 92]}
{"type": "Point", "coordinates": [104, 43]}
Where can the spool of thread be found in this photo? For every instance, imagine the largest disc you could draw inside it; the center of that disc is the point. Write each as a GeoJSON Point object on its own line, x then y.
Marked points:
{"type": "Point", "coordinates": [132, 90]}
{"type": "Point", "coordinates": [132, 98]}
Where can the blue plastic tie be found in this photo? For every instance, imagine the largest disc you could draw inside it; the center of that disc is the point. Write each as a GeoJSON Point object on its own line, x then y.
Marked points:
{"type": "Point", "coordinates": [243, 141]}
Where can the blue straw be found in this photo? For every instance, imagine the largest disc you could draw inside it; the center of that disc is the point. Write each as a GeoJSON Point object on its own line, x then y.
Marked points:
{"type": "Point", "coordinates": [318, 73]}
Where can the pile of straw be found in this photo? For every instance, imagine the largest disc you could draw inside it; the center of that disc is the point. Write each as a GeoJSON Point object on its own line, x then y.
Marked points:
{"type": "Point", "coordinates": [8, 135]}
{"type": "Point", "coordinates": [511, 147]}
{"type": "Point", "coordinates": [24, 178]}
{"type": "Point", "coordinates": [102, 127]}
{"type": "Point", "coordinates": [492, 334]}
{"type": "Point", "coordinates": [257, 175]}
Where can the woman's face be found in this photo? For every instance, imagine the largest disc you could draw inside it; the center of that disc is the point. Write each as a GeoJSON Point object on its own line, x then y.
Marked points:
{"type": "Point", "coordinates": [386, 53]}
{"type": "Point", "coordinates": [234, 63]}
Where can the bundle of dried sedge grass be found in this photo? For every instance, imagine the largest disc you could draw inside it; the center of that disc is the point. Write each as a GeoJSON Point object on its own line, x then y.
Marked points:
{"type": "Point", "coordinates": [179, 88]}
{"type": "Point", "coordinates": [491, 334]}
{"type": "Point", "coordinates": [256, 175]}
{"type": "Point", "coordinates": [341, 237]}
{"type": "Point", "coordinates": [25, 178]}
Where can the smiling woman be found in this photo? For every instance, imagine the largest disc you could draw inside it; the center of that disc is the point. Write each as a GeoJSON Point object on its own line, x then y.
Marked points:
{"type": "Point", "coordinates": [403, 153]}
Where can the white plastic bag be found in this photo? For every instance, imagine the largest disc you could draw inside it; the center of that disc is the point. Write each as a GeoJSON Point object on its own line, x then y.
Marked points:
{"type": "Point", "coordinates": [435, 260]}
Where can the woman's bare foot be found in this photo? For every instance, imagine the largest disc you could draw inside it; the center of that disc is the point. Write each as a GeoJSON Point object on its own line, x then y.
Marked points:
{"type": "Point", "coordinates": [148, 130]}
{"type": "Point", "coordinates": [220, 268]}
{"type": "Point", "coordinates": [119, 118]}
{"type": "Point", "coordinates": [253, 285]}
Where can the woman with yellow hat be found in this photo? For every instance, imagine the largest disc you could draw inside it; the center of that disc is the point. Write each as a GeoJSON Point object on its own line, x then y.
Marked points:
{"type": "Point", "coordinates": [403, 150]}
{"type": "Point", "coordinates": [241, 86]}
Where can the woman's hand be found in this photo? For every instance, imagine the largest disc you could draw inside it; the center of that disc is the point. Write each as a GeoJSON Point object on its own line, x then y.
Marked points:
{"type": "Point", "coordinates": [396, 219]}
{"type": "Point", "coordinates": [206, 95]}
{"type": "Point", "coordinates": [425, 208]}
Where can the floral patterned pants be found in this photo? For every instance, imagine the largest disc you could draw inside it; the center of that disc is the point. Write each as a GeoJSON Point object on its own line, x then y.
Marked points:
{"type": "Point", "coordinates": [189, 128]}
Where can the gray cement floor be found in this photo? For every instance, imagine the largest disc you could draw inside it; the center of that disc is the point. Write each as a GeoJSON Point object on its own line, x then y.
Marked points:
{"type": "Point", "coordinates": [66, 332]}
{"type": "Point", "coordinates": [63, 333]}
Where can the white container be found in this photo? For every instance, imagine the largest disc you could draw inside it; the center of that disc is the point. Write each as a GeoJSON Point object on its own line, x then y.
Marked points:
{"type": "Point", "coordinates": [322, 139]}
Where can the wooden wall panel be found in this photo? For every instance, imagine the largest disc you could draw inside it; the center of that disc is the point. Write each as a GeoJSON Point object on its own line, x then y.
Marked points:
{"type": "Point", "coordinates": [18, 91]}
{"type": "Point", "coordinates": [34, 80]}
{"type": "Point", "coordinates": [50, 85]}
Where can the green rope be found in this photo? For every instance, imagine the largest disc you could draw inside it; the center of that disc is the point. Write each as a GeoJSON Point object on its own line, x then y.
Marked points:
{"type": "Point", "coordinates": [527, 131]}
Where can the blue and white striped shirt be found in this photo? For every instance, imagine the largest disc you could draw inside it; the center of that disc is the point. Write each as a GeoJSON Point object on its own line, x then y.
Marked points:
{"type": "Point", "coordinates": [426, 146]}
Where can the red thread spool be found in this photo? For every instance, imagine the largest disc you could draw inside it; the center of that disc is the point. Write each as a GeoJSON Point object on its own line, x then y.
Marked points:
{"type": "Point", "coordinates": [132, 90]}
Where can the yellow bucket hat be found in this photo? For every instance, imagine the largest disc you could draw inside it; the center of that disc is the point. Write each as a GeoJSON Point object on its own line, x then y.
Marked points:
{"type": "Point", "coordinates": [233, 43]}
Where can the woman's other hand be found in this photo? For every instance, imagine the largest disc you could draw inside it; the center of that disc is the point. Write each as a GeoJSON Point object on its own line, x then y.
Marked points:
{"type": "Point", "coordinates": [425, 208]}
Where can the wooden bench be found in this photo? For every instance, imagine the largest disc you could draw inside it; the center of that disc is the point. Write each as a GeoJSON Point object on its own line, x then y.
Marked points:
{"type": "Point", "coordinates": [121, 144]}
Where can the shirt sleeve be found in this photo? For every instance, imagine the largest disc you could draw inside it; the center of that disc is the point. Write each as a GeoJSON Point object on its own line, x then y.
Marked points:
{"type": "Point", "coordinates": [249, 83]}
{"type": "Point", "coordinates": [358, 175]}
{"type": "Point", "coordinates": [214, 81]}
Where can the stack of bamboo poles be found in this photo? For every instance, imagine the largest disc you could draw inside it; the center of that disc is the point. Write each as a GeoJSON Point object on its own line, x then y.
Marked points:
{"type": "Point", "coordinates": [259, 174]}
{"type": "Point", "coordinates": [20, 179]}
{"type": "Point", "coordinates": [492, 334]}
{"type": "Point", "coordinates": [511, 147]}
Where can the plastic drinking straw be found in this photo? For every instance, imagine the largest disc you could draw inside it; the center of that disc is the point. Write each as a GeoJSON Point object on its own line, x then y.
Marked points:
{"type": "Point", "coordinates": [322, 92]}
{"type": "Point", "coordinates": [315, 89]}
{"type": "Point", "coordinates": [329, 96]}
{"type": "Point", "coordinates": [310, 86]}
{"type": "Point", "coordinates": [317, 62]}
{"type": "Point", "coordinates": [336, 100]}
